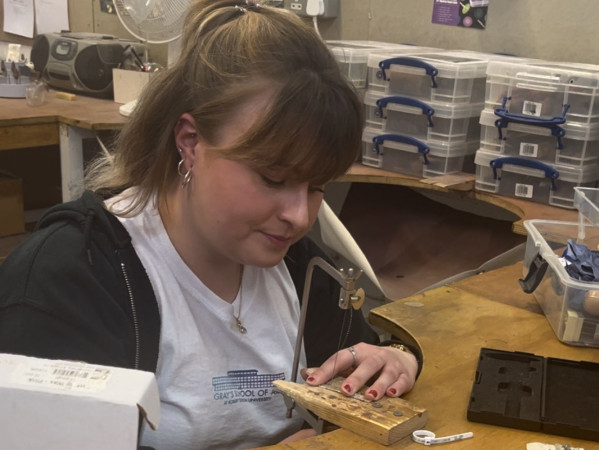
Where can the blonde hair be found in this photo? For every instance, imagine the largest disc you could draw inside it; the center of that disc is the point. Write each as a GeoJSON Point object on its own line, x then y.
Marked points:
{"type": "Point", "coordinates": [231, 49]}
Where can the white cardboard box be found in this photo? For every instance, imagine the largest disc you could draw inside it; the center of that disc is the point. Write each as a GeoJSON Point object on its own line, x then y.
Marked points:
{"type": "Point", "coordinates": [128, 84]}
{"type": "Point", "coordinates": [54, 404]}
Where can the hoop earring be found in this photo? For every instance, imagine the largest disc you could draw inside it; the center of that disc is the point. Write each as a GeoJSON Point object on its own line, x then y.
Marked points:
{"type": "Point", "coordinates": [186, 176]}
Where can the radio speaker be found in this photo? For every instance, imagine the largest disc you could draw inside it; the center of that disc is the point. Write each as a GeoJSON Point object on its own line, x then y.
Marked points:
{"type": "Point", "coordinates": [81, 62]}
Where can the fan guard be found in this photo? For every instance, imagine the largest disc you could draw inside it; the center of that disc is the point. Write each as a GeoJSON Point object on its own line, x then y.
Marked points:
{"type": "Point", "coordinates": [154, 21]}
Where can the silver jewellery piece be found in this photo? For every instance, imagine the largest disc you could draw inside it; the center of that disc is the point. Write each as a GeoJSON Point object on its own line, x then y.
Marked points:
{"type": "Point", "coordinates": [352, 350]}
{"type": "Point", "coordinates": [426, 437]}
{"type": "Point", "coordinates": [186, 176]}
{"type": "Point", "coordinates": [242, 329]}
{"type": "Point", "coordinates": [242, 9]}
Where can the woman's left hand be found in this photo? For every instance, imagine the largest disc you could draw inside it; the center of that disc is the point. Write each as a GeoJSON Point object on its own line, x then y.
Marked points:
{"type": "Point", "coordinates": [396, 370]}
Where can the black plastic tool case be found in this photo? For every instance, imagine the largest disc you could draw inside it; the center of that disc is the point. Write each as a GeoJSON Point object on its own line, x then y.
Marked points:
{"type": "Point", "coordinates": [530, 392]}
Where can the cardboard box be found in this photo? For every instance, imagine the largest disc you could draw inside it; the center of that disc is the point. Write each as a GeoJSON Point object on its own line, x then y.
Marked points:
{"type": "Point", "coordinates": [12, 214]}
{"type": "Point", "coordinates": [128, 84]}
{"type": "Point", "coordinates": [54, 404]}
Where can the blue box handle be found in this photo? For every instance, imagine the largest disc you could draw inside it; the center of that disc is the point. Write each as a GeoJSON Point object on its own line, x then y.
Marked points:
{"type": "Point", "coordinates": [431, 70]}
{"type": "Point", "coordinates": [550, 172]}
{"type": "Point", "coordinates": [505, 117]}
{"type": "Point", "coordinates": [536, 272]}
{"type": "Point", "coordinates": [427, 110]}
{"type": "Point", "coordinates": [381, 138]}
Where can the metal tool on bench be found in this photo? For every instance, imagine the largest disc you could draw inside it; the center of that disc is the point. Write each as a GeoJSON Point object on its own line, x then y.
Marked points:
{"type": "Point", "coordinates": [384, 421]}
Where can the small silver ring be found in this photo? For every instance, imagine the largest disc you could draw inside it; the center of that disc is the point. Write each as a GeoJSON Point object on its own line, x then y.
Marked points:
{"type": "Point", "coordinates": [352, 350]}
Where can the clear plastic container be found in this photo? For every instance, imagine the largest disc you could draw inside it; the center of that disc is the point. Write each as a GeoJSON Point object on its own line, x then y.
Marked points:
{"type": "Point", "coordinates": [35, 93]}
{"type": "Point", "coordinates": [586, 201]}
{"type": "Point", "coordinates": [571, 143]}
{"type": "Point", "coordinates": [544, 89]}
{"type": "Point", "coordinates": [422, 120]}
{"type": "Point", "coordinates": [448, 76]}
{"type": "Point", "coordinates": [406, 155]}
{"type": "Point", "coordinates": [352, 56]}
{"type": "Point", "coordinates": [531, 179]}
{"type": "Point", "coordinates": [570, 306]}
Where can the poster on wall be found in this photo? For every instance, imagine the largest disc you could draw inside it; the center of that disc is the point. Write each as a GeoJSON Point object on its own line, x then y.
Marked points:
{"type": "Point", "coordinates": [461, 13]}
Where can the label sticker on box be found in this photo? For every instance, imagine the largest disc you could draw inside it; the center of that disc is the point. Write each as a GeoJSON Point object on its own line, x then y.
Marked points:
{"type": "Point", "coordinates": [62, 375]}
{"type": "Point", "coordinates": [531, 108]}
{"type": "Point", "coordinates": [523, 190]}
{"type": "Point", "coordinates": [527, 149]}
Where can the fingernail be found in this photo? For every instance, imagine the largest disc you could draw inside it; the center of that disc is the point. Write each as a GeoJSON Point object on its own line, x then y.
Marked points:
{"type": "Point", "coordinates": [373, 393]}
{"type": "Point", "coordinates": [393, 391]}
{"type": "Point", "coordinates": [347, 388]}
{"type": "Point", "coordinates": [310, 379]}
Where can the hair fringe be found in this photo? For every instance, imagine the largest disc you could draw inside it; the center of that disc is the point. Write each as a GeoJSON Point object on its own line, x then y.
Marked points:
{"type": "Point", "coordinates": [228, 57]}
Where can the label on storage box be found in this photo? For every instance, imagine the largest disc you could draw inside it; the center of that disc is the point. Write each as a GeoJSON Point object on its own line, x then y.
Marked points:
{"type": "Point", "coordinates": [523, 190]}
{"type": "Point", "coordinates": [531, 108]}
{"type": "Point", "coordinates": [62, 375]}
{"type": "Point", "coordinates": [528, 149]}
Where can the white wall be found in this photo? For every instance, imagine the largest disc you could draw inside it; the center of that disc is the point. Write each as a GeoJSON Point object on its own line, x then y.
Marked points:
{"type": "Point", "coordinates": [555, 30]}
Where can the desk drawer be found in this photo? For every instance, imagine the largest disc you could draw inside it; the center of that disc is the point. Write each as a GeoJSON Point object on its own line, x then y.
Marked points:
{"type": "Point", "coordinates": [27, 136]}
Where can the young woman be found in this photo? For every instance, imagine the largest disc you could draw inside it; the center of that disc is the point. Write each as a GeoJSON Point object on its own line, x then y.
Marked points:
{"type": "Point", "coordinates": [186, 256]}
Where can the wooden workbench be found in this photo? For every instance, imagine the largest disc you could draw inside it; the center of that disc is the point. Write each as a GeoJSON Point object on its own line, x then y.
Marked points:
{"type": "Point", "coordinates": [452, 323]}
{"type": "Point", "coordinates": [23, 126]}
{"type": "Point", "coordinates": [58, 122]}
{"type": "Point", "coordinates": [417, 232]}
{"type": "Point", "coordinates": [462, 186]}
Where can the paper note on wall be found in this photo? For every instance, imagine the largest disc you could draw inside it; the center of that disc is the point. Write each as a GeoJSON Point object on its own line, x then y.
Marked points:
{"type": "Point", "coordinates": [51, 16]}
{"type": "Point", "coordinates": [18, 17]}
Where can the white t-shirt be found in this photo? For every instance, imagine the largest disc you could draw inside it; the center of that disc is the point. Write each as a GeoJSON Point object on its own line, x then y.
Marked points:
{"type": "Point", "coordinates": [215, 382]}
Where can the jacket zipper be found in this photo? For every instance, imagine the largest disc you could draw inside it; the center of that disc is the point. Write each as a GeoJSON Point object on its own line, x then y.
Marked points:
{"type": "Point", "coordinates": [133, 313]}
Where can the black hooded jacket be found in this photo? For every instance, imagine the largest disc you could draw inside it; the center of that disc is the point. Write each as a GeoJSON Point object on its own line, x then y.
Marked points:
{"type": "Point", "coordinates": [77, 290]}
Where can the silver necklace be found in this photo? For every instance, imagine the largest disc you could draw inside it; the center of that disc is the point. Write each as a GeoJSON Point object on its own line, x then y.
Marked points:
{"type": "Point", "coordinates": [242, 329]}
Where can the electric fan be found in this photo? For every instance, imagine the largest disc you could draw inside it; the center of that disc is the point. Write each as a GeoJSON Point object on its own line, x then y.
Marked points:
{"type": "Point", "coordinates": [152, 21]}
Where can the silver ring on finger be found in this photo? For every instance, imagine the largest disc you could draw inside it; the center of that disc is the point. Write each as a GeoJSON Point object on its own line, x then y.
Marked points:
{"type": "Point", "coordinates": [352, 350]}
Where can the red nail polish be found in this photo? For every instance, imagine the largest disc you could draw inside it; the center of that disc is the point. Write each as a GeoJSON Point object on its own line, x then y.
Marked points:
{"type": "Point", "coordinates": [392, 391]}
{"type": "Point", "coordinates": [310, 379]}
{"type": "Point", "coordinates": [347, 388]}
{"type": "Point", "coordinates": [373, 393]}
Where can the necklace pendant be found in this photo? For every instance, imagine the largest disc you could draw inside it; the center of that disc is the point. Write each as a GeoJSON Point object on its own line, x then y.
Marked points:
{"type": "Point", "coordinates": [242, 329]}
